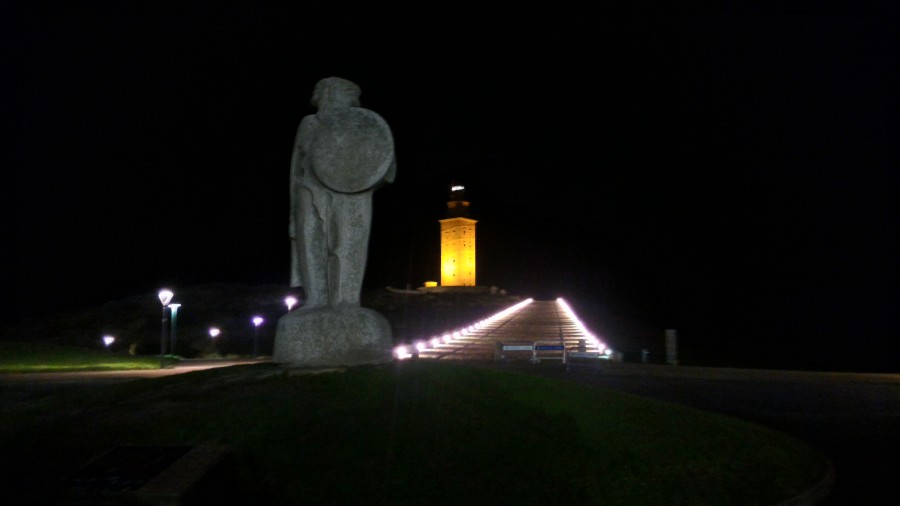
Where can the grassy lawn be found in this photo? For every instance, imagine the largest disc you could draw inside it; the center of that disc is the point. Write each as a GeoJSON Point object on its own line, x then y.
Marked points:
{"type": "Point", "coordinates": [411, 433]}
{"type": "Point", "coordinates": [44, 357]}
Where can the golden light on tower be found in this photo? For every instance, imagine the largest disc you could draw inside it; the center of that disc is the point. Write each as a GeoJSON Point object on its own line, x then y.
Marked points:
{"type": "Point", "coordinates": [457, 242]}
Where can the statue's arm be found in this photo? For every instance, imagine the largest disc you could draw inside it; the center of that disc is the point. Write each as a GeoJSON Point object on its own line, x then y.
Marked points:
{"type": "Point", "coordinates": [392, 170]}
{"type": "Point", "coordinates": [301, 143]}
{"type": "Point", "coordinates": [298, 170]}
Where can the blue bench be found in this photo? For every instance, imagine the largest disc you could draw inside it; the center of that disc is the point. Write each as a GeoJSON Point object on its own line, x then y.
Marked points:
{"type": "Point", "coordinates": [549, 350]}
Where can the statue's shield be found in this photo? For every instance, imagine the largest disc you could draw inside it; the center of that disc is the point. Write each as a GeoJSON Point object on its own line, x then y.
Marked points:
{"type": "Point", "coordinates": [352, 150]}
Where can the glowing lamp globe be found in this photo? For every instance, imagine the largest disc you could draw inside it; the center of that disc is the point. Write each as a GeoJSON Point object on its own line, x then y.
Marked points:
{"type": "Point", "coordinates": [165, 296]}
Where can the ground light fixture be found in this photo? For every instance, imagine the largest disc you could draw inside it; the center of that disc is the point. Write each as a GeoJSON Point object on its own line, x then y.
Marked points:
{"type": "Point", "coordinates": [214, 332]}
{"type": "Point", "coordinates": [257, 321]}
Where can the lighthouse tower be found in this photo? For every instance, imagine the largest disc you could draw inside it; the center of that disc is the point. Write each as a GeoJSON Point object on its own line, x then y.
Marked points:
{"type": "Point", "coordinates": [457, 241]}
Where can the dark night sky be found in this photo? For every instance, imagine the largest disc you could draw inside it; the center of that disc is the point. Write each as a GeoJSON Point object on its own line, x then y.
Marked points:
{"type": "Point", "coordinates": [729, 174]}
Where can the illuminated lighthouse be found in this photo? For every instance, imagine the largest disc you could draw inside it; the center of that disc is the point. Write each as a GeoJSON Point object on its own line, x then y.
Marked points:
{"type": "Point", "coordinates": [458, 241]}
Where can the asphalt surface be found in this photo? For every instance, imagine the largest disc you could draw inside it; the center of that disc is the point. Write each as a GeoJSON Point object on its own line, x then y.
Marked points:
{"type": "Point", "coordinates": [854, 419]}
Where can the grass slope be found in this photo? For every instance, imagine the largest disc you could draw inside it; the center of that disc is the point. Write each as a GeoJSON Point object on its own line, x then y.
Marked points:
{"type": "Point", "coordinates": [411, 433]}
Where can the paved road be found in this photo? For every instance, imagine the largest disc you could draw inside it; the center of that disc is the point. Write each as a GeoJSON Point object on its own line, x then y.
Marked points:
{"type": "Point", "coordinates": [24, 388]}
{"type": "Point", "coordinates": [100, 377]}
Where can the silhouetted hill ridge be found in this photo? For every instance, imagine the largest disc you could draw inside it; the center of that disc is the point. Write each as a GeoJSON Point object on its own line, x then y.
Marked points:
{"type": "Point", "coordinates": [136, 321]}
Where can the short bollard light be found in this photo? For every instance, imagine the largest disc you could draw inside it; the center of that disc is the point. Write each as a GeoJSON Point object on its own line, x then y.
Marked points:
{"type": "Point", "coordinates": [108, 340]}
{"type": "Point", "coordinates": [214, 332]}
{"type": "Point", "coordinates": [257, 321]}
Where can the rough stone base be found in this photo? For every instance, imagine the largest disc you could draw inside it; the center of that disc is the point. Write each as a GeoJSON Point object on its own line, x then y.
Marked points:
{"type": "Point", "coordinates": [333, 336]}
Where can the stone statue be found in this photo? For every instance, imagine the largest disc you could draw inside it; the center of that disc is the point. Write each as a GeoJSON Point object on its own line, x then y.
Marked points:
{"type": "Point", "coordinates": [342, 154]}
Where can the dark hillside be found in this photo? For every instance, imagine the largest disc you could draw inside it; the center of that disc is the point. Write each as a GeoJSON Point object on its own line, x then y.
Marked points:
{"type": "Point", "coordinates": [136, 321]}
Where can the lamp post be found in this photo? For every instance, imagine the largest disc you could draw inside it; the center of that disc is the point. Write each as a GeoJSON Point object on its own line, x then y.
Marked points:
{"type": "Point", "coordinates": [107, 341]}
{"type": "Point", "coordinates": [174, 309]}
{"type": "Point", "coordinates": [165, 296]}
{"type": "Point", "coordinates": [257, 321]}
{"type": "Point", "coordinates": [290, 301]}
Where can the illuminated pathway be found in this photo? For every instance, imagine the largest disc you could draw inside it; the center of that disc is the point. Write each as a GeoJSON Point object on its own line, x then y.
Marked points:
{"type": "Point", "coordinates": [528, 330]}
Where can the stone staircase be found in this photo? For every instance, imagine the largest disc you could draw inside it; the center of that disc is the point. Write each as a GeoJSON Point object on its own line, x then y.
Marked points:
{"type": "Point", "coordinates": [530, 330]}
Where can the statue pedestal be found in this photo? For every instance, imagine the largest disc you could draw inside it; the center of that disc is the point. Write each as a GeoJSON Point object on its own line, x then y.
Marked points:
{"type": "Point", "coordinates": [333, 336]}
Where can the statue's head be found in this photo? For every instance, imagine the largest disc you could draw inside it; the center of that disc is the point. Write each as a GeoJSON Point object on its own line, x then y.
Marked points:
{"type": "Point", "coordinates": [335, 92]}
